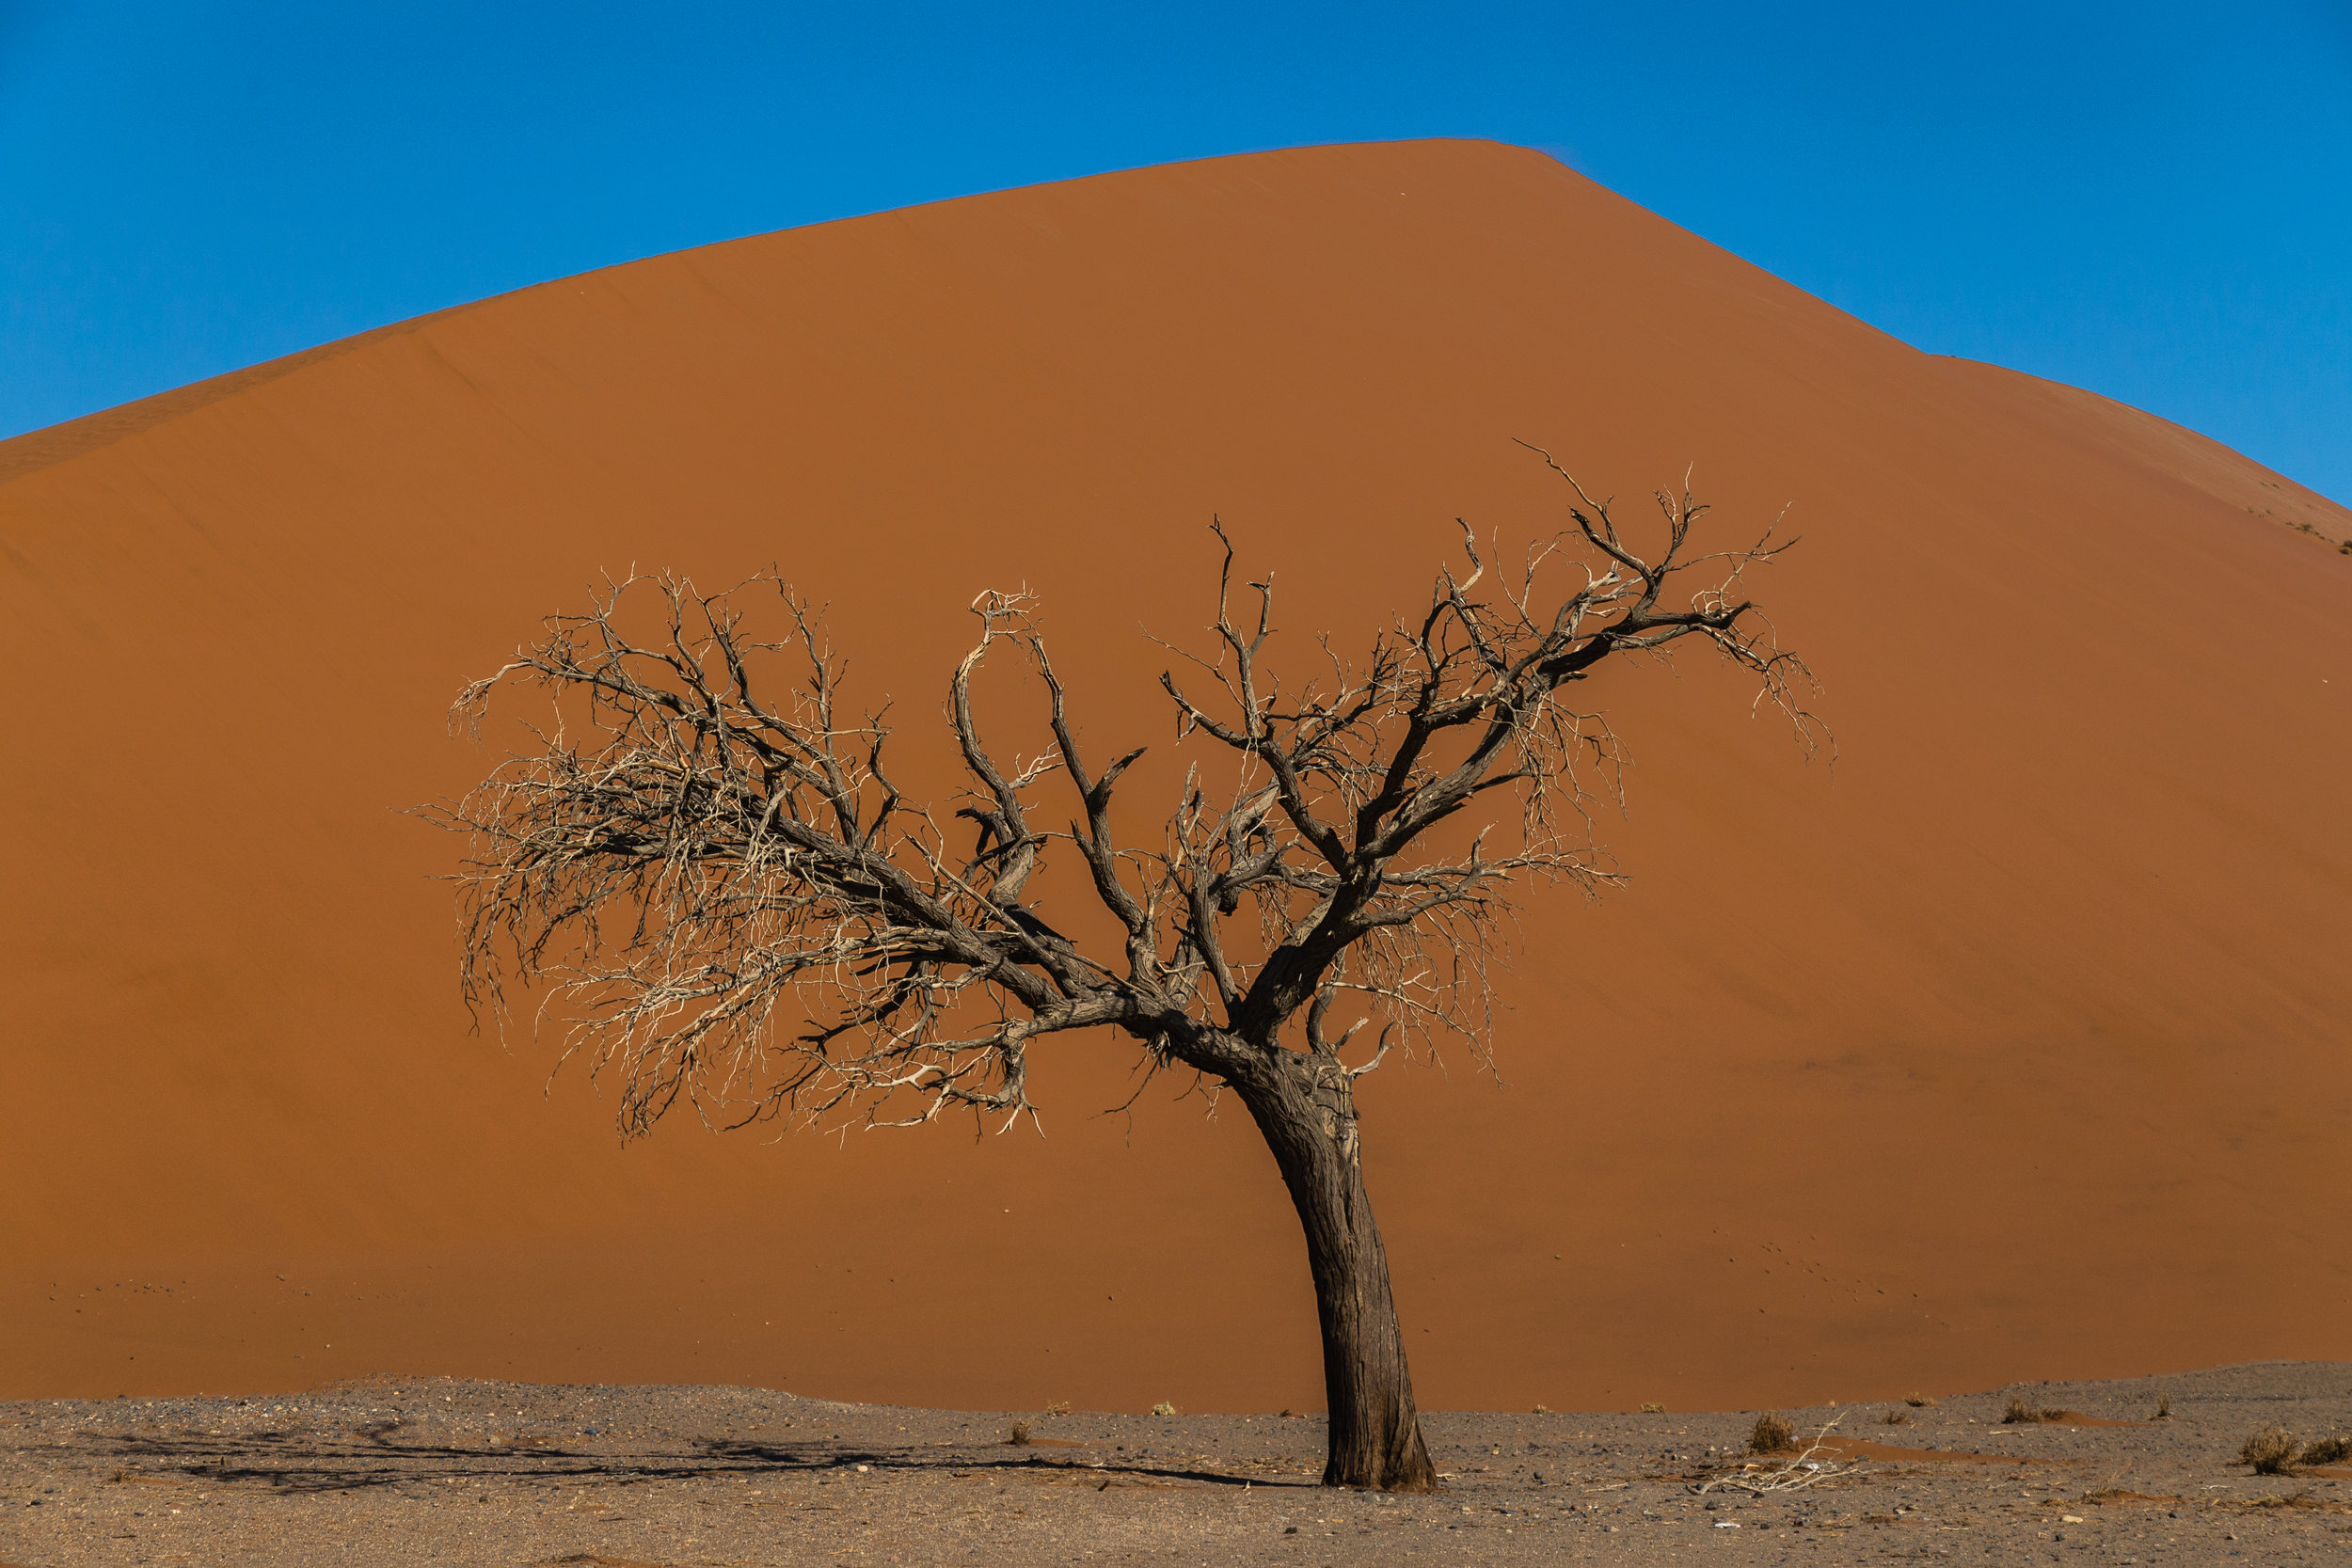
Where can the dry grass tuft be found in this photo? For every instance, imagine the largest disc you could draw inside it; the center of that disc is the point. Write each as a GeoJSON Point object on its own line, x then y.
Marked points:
{"type": "Point", "coordinates": [2327, 1450]}
{"type": "Point", "coordinates": [1058, 1407]}
{"type": "Point", "coordinates": [1802, 1468]}
{"type": "Point", "coordinates": [1288, 1414]}
{"type": "Point", "coordinates": [1651, 1407]}
{"type": "Point", "coordinates": [1897, 1418]}
{"type": "Point", "coordinates": [2270, 1452]}
{"type": "Point", "coordinates": [2164, 1408]}
{"type": "Point", "coordinates": [1543, 1410]}
{"type": "Point", "coordinates": [1163, 1408]}
{"type": "Point", "coordinates": [1020, 1438]}
{"type": "Point", "coordinates": [2021, 1414]}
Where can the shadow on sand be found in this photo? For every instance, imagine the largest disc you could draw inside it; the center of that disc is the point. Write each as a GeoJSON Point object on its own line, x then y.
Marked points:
{"type": "Point", "coordinates": [375, 1458]}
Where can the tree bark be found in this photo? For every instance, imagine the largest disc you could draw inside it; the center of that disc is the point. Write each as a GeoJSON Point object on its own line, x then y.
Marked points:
{"type": "Point", "coordinates": [1305, 1105]}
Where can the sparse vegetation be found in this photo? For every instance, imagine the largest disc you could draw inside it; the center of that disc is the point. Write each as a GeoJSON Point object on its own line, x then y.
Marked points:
{"type": "Point", "coordinates": [1815, 1463]}
{"type": "Point", "coordinates": [1058, 1407]}
{"type": "Point", "coordinates": [1163, 1408]}
{"type": "Point", "coordinates": [1020, 1438]}
{"type": "Point", "coordinates": [1651, 1407]}
{"type": "Point", "coordinates": [2164, 1408]}
{"type": "Point", "coordinates": [1895, 1418]}
{"type": "Point", "coordinates": [2343, 547]}
{"type": "Point", "coordinates": [1543, 1410]}
{"type": "Point", "coordinates": [2270, 1452]}
{"type": "Point", "coordinates": [1917, 1401]}
{"type": "Point", "coordinates": [2021, 1414]}
{"type": "Point", "coordinates": [2273, 1452]}
{"type": "Point", "coordinates": [2327, 1450]}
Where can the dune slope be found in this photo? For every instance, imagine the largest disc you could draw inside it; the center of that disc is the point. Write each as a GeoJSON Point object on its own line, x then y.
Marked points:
{"type": "Point", "coordinates": [2013, 1046]}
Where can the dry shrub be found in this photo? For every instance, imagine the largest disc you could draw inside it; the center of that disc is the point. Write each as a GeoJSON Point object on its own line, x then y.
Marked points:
{"type": "Point", "coordinates": [2270, 1452]}
{"type": "Point", "coordinates": [1543, 1410]}
{"type": "Point", "coordinates": [1800, 1470]}
{"type": "Point", "coordinates": [2164, 1408]}
{"type": "Point", "coordinates": [2327, 1450]}
{"type": "Point", "coordinates": [1020, 1438]}
{"type": "Point", "coordinates": [1895, 1419]}
{"type": "Point", "coordinates": [1058, 1407]}
{"type": "Point", "coordinates": [1163, 1408]}
{"type": "Point", "coordinates": [1917, 1401]}
{"type": "Point", "coordinates": [2021, 1414]}
{"type": "Point", "coordinates": [1651, 1407]}
{"type": "Point", "coordinates": [1288, 1414]}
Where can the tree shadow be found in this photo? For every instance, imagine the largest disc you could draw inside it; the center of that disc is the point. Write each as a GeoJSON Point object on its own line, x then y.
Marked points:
{"type": "Point", "coordinates": [376, 1459]}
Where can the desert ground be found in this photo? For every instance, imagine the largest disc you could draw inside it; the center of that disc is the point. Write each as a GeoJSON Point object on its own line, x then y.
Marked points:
{"type": "Point", "coordinates": [400, 1470]}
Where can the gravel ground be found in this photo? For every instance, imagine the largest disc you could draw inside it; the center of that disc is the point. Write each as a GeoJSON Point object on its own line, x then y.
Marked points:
{"type": "Point", "coordinates": [434, 1469]}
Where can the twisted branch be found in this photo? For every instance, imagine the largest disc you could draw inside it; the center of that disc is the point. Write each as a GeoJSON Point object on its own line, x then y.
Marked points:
{"type": "Point", "coordinates": [703, 864]}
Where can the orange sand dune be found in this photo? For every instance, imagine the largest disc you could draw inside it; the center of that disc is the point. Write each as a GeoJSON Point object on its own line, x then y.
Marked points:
{"type": "Point", "coordinates": [2016, 1045]}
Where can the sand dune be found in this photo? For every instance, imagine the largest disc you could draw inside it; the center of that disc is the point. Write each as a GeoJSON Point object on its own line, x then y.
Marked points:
{"type": "Point", "coordinates": [2013, 1047]}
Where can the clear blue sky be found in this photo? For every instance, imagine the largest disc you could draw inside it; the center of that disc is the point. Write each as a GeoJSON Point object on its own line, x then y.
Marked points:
{"type": "Point", "coordinates": [2153, 200]}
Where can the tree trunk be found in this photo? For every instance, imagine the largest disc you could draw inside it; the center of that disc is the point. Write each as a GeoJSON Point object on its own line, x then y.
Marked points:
{"type": "Point", "coordinates": [1305, 1108]}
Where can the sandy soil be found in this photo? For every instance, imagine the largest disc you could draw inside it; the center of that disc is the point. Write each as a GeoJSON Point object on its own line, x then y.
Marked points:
{"type": "Point", "coordinates": [486, 1472]}
{"type": "Point", "coordinates": [2013, 1047]}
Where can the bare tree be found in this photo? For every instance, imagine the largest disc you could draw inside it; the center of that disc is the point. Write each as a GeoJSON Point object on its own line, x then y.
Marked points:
{"type": "Point", "coordinates": [727, 899]}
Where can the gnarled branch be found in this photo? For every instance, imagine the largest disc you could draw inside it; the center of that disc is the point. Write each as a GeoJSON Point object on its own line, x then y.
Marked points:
{"type": "Point", "coordinates": [707, 867]}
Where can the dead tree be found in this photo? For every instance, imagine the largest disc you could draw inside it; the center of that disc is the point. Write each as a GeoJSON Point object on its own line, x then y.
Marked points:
{"type": "Point", "coordinates": [707, 866]}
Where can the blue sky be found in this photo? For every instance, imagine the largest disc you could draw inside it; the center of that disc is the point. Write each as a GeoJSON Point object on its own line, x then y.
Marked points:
{"type": "Point", "coordinates": [2153, 200]}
